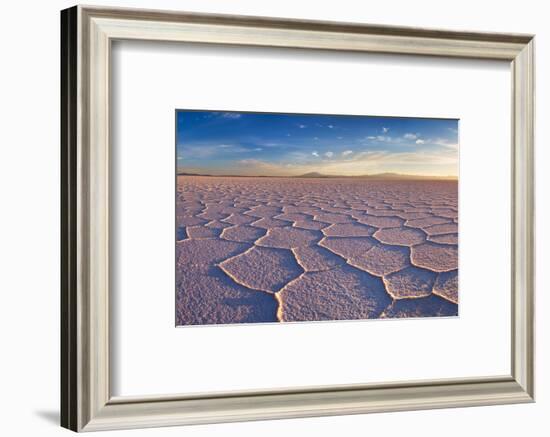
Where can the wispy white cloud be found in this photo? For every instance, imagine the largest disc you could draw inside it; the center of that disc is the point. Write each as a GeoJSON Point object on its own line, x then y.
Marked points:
{"type": "Point", "coordinates": [443, 142]}
{"type": "Point", "coordinates": [259, 167]}
{"type": "Point", "coordinates": [330, 126]}
{"type": "Point", "coordinates": [302, 126]}
{"type": "Point", "coordinates": [427, 162]}
{"type": "Point", "coordinates": [409, 139]}
{"type": "Point", "coordinates": [208, 150]}
{"type": "Point", "coordinates": [347, 152]}
{"type": "Point", "coordinates": [316, 154]}
{"type": "Point", "coordinates": [437, 163]}
{"type": "Point", "coordinates": [270, 144]}
{"type": "Point", "coordinates": [231, 115]}
{"type": "Point", "coordinates": [379, 138]}
{"type": "Point", "coordinates": [385, 130]}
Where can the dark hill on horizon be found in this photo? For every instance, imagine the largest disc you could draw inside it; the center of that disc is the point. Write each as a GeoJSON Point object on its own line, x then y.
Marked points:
{"type": "Point", "coordinates": [313, 174]}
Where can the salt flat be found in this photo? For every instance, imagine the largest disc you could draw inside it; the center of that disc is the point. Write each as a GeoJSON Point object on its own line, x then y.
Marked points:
{"type": "Point", "coordinates": [251, 249]}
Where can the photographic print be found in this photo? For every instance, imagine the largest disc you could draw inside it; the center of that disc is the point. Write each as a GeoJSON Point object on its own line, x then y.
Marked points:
{"type": "Point", "coordinates": [302, 217]}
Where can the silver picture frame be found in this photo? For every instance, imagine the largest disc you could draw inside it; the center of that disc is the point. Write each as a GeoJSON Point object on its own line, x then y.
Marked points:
{"type": "Point", "coordinates": [86, 400]}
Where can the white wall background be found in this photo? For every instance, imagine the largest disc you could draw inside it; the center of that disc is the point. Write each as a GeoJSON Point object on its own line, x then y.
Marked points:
{"type": "Point", "coordinates": [29, 217]}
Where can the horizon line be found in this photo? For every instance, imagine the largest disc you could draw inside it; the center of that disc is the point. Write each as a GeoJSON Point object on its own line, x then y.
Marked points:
{"type": "Point", "coordinates": [315, 175]}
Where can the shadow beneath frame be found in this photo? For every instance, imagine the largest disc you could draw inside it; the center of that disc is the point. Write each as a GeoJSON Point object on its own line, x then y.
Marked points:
{"type": "Point", "coordinates": [50, 416]}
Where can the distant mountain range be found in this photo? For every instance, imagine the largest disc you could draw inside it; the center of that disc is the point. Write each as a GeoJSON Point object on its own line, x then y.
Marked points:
{"type": "Point", "coordinates": [317, 175]}
{"type": "Point", "coordinates": [378, 176]}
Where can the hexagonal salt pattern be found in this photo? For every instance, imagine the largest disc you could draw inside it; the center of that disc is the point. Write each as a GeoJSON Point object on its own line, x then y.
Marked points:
{"type": "Point", "coordinates": [280, 249]}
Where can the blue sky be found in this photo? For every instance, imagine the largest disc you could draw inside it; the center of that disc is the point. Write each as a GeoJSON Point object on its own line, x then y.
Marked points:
{"type": "Point", "coordinates": [265, 144]}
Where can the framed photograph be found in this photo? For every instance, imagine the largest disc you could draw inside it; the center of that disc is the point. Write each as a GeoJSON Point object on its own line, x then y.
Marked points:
{"type": "Point", "coordinates": [268, 218]}
{"type": "Point", "coordinates": [281, 219]}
